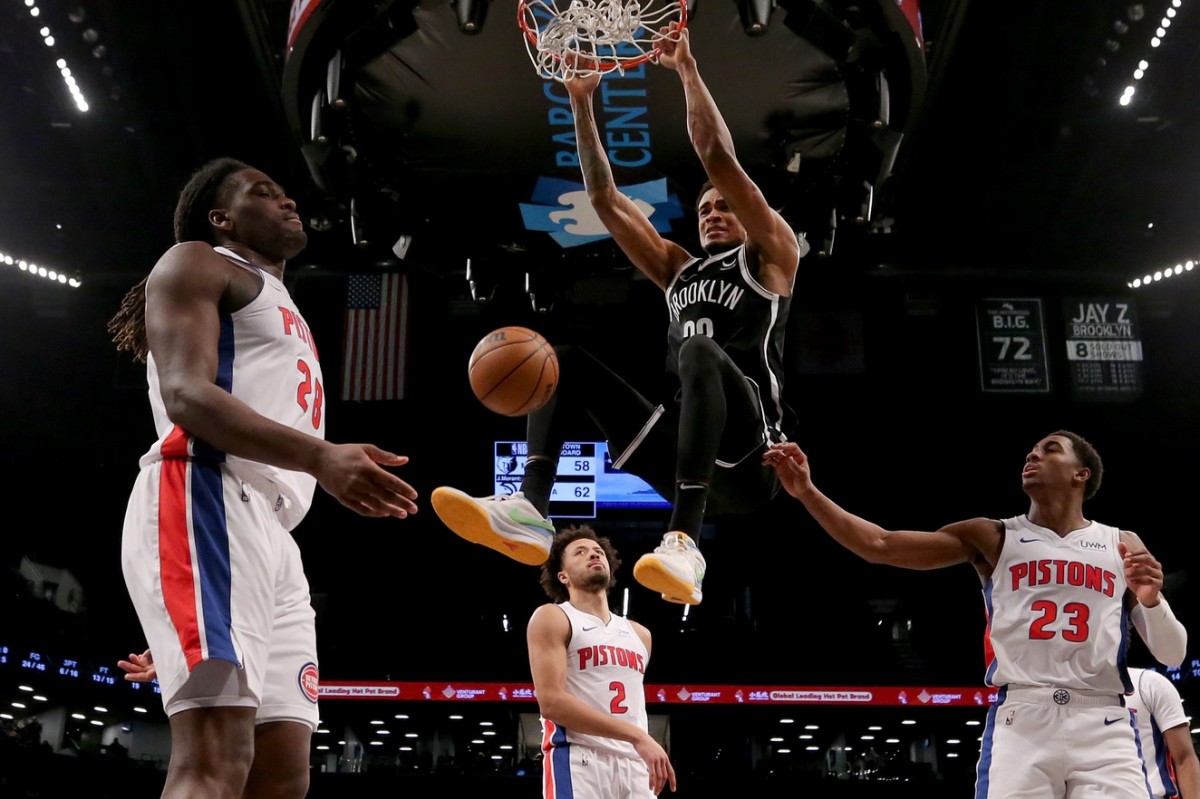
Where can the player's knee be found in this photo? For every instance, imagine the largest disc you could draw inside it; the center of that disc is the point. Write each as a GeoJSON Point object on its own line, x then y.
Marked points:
{"type": "Point", "coordinates": [217, 741]}
{"type": "Point", "coordinates": [209, 771]}
{"type": "Point", "coordinates": [699, 353]}
{"type": "Point", "coordinates": [281, 761]}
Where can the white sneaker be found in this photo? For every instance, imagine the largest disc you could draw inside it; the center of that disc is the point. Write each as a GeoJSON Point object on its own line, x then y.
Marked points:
{"type": "Point", "coordinates": [507, 523]}
{"type": "Point", "coordinates": [675, 569]}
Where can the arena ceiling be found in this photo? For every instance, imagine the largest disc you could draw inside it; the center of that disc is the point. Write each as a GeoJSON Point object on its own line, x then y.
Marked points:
{"type": "Point", "coordinates": [1002, 144]}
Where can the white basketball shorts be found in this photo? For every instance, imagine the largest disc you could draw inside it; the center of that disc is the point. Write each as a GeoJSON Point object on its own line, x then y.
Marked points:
{"type": "Point", "coordinates": [215, 578]}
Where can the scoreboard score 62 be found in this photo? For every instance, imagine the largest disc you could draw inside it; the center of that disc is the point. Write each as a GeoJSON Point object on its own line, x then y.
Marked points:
{"type": "Point", "coordinates": [574, 492]}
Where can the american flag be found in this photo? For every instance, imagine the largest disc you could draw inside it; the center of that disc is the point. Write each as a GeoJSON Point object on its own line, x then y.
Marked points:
{"type": "Point", "coordinates": [375, 339]}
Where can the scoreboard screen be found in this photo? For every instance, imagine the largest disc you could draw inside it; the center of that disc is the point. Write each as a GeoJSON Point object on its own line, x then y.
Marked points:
{"type": "Point", "coordinates": [586, 480]}
{"type": "Point", "coordinates": [41, 662]}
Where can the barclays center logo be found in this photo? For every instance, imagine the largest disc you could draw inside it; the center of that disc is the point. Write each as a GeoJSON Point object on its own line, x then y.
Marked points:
{"type": "Point", "coordinates": [562, 209]}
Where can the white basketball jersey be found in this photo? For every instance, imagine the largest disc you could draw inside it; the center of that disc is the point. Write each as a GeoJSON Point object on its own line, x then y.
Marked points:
{"type": "Point", "coordinates": [1056, 610]}
{"type": "Point", "coordinates": [606, 665]}
{"type": "Point", "coordinates": [268, 360]}
{"type": "Point", "coordinates": [1157, 706]}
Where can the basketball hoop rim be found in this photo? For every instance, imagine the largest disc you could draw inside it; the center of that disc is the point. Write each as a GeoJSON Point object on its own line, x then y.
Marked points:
{"type": "Point", "coordinates": [607, 65]}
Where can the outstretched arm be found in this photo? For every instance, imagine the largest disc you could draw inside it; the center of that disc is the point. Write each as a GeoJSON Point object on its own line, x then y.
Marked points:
{"type": "Point", "coordinates": [975, 541]}
{"type": "Point", "coordinates": [770, 236]}
{"type": "Point", "coordinates": [547, 636]}
{"type": "Point", "coordinates": [656, 257]}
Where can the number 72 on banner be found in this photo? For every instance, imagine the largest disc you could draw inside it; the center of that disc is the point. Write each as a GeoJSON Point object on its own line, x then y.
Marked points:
{"type": "Point", "coordinates": [1012, 346]}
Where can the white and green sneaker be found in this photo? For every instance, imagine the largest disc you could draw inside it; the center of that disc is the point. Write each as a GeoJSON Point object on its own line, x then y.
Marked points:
{"type": "Point", "coordinates": [675, 569]}
{"type": "Point", "coordinates": [507, 523]}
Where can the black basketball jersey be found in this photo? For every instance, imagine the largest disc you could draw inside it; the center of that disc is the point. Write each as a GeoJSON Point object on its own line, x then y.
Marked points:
{"type": "Point", "coordinates": [718, 297]}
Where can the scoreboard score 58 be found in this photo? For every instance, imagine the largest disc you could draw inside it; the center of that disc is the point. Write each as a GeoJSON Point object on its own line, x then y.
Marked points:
{"type": "Point", "coordinates": [575, 489]}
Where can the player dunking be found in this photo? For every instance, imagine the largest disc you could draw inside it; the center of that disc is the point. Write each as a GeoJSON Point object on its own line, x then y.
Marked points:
{"type": "Point", "coordinates": [588, 667]}
{"type": "Point", "coordinates": [1059, 591]}
{"type": "Point", "coordinates": [727, 317]}
{"type": "Point", "coordinates": [213, 572]}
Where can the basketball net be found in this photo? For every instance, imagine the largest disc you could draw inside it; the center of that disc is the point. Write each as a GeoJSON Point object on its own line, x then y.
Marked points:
{"type": "Point", "coordinates": [594, 37]}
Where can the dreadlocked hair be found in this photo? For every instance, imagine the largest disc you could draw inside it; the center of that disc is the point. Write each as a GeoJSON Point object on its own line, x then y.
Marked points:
{"type": "Point", "coordinates": [199, 196]}
{"type": "Point", "coordinates": [128, 325]}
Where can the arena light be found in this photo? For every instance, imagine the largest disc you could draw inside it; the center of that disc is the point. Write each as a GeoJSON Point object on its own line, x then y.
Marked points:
{"type": "Point", "coordinates": [755, 15]}
{"type": "Point", "coordinates": [541, 293]}
{"type": "Point", "coordinates": [35, 270]}
{"type": "Point", "coordinates": [400, 248]}
{"type": "Point", "coordinates": [1160, 35]}
{"type": "Point", "coordinates": [471, 15]}
{"type": "Point", "coordinates": [358, 234]}
{"type": "Point", "coordinates": [64, 70]}
{"type": "Point", "coordinates": [333, 80]}
{"type": "Point", "coordinates": [1166, 273]}
{"type": "Point", "coordinates": [482, 287]}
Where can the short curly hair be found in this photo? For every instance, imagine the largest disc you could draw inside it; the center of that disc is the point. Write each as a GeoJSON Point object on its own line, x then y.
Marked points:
{"type": "Point", "coordinates": [1087, 456]}
{"type": "Point", "coordinates": [553, 565]}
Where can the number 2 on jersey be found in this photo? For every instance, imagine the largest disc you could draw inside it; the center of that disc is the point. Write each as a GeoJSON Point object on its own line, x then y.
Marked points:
{"type": "Point", "coordinates": [617, 705]}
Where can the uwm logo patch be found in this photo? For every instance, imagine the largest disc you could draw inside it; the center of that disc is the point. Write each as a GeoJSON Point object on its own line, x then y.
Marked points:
{"type": "Point", "coordinates": [309, 681]}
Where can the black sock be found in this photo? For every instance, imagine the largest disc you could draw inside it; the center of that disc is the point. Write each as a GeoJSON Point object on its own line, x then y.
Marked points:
{"type": "Point", "coordinates": [687, 516]}
{"type": "Point", "coordinates": [538, 482]}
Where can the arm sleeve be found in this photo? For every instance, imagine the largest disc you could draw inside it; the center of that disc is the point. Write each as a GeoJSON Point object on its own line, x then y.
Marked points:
{"type": "Point", "coordinates": [1165, 636]}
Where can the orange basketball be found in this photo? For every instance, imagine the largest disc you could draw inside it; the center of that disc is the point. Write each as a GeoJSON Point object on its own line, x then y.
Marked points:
{"type": "Point", "coordinates": [513, 371]}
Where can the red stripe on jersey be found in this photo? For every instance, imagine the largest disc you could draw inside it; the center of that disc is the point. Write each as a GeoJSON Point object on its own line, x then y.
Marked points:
{"type": "Point", "coordinates": [175, 557]}
{"type": "Point", "coordinates": [547, 761]}
{"type": "Point", "coordinates": [176, 444]}
{"type": "Point", "coordinates": [989, 654]}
